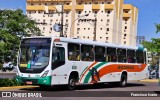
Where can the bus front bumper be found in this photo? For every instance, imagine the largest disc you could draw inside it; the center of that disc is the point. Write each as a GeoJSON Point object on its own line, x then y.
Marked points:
{"type": "Point", "coordinates": [34, 81]}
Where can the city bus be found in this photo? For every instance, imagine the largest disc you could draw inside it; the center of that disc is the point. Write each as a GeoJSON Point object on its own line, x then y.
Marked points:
{"type": "Point", "coordinates": [51, 61]}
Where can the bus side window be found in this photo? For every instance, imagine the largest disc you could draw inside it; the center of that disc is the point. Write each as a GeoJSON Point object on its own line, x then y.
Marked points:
{"type": "Point", "coordinates": [58, 57]}
{"type": "Point", "coordinates": [121, 55]}
{"type": "Point", "coordinates": [99, 53]}
{"type": "Point", "coordinates": [131, 56]}
{"type": "Point", "coordinates": [144, 53]}
{"type": "Point", "coordinates": [139, 56]}
{"type": "Point", "coordinates": [111, 54]}
{"type": "Point", "coordinates": [87, 52]}
{"type": "Point", "coordinates": [73, 52]}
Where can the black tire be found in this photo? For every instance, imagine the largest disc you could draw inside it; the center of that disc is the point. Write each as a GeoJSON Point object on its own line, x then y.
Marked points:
{"type": "Point", "coordinates": [71, 83]}
{"type": "Point", "coordinates": [123, 81]}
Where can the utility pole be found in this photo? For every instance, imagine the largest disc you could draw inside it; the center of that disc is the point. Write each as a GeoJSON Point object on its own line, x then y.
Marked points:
{"type": "Point", "coordinates": [95, 27]}
{"type": "Point", "coordinates": [61, 34]}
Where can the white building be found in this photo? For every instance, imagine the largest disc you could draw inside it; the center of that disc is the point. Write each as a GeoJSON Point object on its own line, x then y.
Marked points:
{"type": "Point", "coordinates": [116, 21]}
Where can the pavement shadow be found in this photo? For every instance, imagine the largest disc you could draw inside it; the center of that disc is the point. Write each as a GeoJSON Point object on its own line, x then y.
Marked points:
{"type": "Point", "coordinates": [81, 87]}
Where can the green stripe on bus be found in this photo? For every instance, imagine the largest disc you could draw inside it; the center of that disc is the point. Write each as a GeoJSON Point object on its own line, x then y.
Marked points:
{"type": "Point", "coordinates": [84, 70]}
{"type": "Point", "coordinates": [89, 74]}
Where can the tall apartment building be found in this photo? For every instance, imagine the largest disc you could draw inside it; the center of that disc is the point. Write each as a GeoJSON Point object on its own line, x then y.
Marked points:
{"type": "Point", "coordinates": [116, 22]}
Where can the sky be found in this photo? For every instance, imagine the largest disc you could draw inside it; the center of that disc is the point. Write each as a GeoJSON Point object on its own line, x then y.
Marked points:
{"type": "Point", "coordinates": [149, 14]}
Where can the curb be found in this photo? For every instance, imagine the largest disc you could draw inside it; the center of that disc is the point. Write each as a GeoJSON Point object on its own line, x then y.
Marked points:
{"type": "Point", "coordinates": [150, 80]}
{"type": "Point", "coordinates": [17, 87]}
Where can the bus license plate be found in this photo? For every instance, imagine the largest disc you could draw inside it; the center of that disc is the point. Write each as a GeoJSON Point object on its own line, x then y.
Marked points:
{"type": "Point", "coordinates": [29, 82]}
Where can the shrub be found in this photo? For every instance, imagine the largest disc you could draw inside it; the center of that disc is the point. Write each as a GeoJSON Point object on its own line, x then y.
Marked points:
{"type": "Point", "coordinates": [8, 82]}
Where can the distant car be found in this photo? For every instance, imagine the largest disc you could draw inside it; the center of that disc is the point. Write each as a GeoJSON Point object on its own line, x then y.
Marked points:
{"type": "Point", "coordinates": [8, 66]}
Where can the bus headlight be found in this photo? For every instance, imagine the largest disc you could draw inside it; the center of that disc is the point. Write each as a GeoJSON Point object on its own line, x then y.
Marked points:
{"type": "Point", "coordinates": [45, 73]}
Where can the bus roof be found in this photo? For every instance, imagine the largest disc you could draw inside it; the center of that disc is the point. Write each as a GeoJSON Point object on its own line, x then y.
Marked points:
{"type": "Point", "coordinates": [90, 42]}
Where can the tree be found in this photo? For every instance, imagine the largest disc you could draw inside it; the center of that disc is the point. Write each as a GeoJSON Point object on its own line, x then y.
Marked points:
{"type": "Point", "coordinates": [13, 26]}
{"type": "Point", "coordinates": [157, 27]}
{"type": "Point", "coordinates": [153, 47]}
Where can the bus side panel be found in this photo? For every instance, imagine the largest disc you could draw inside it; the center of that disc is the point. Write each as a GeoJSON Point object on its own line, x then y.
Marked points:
{"type": "Point", "coordinates": [61, 74]}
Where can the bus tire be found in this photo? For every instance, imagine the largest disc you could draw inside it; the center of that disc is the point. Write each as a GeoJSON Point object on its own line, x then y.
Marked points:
{"type": "Point", "coordinates": [71, 83]}
{"type": "Point", "coordinates": [42, 87]}
{"type": "Point", "coordinates": [123, 81]}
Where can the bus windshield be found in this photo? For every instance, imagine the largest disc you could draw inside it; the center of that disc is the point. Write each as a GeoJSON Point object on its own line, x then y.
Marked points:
{"type": "Point", "coordinates": [34, 55]}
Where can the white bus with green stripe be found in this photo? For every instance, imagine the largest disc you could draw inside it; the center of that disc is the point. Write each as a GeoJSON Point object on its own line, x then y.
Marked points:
{"type": "Point", "coordinates": [49, 61]}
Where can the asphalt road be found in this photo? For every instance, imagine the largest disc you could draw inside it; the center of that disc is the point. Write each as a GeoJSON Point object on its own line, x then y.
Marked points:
{"type": "Point", "coordinates": [91, 92]}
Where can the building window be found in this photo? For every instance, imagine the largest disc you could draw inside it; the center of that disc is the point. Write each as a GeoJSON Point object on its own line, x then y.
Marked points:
{"type": "Point", "coordinates": [124, 42]}
{"type": "Point", "coordinates": [102, 2]}
{"type": "Point", "coordinates": [67, 12]}
{"type": "Point", "coordinates": [125, 35]}
{"type": "Point", "coordinates": [32, 4]}
{"type": "Point", "coordinates": [79, 12]}
{"type": "Point", "coordinates": [126, 11]}
{"type": "Point", "coordinates": [84, 37]}
{"type": "Point", "coordinates": [102, 11]}
{"type": "Point", "coordinates": [46, 4]}
{"type": "Point", "coordinates": [78, 29]}
{"type": "Point", "coordinates": [51, 28]}
{"type": "Point", "coordinates": [95, 12]}
{"type": "Point", "coordinates": [39, 4]}
{"type": "Point", "coordinates": [101, 20]}
{"type": "Point", "coordinates": [108, 20]}
{"type": "Point", "coordinates": [107, 29]}
{"type": "Point", "coordinates": [88, 37]}
{"type": "Point", "coordinates": [84, 28]}
{"type": "Point", "coordinates": [101, 28]}
{"type": "Point", "coordinates": [108, 12]}
{"type": "Point", "coordinates": [89, 11]}
{"type": "Point", "coordinates": [43, 28]}
{"type": "Point", "coordinates": [125, 27]}
{"type": "Point", "coordinates": [108, 2]}
{"type": "Point", "coordinates": [85, 11]}
{"type": "Point", "coordinates": [88, 28]}
{"type": "Point", "coordinates": [100, 37]}
{"type": "Point", "coordinates": [107, 38]}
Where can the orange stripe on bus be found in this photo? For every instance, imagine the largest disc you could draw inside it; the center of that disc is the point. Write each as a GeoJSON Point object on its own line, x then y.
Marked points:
{"type": "Point", "coordinates": [114, 68]}
{"type": "Point", "coordinates": [87, 70]}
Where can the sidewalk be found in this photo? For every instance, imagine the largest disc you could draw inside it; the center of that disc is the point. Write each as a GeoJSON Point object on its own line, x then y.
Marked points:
{"type": "Point", "coordinates": [8, 72]}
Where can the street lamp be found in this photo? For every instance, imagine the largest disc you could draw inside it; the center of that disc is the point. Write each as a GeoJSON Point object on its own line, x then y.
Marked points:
{"type": "Point", "coordinates": [76, 20]}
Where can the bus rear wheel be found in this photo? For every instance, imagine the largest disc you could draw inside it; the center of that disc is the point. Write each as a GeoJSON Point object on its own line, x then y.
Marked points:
{"type": "Point", "coordinates": [123, 81]}
{"type": "Point", "coordinates": [71, 83]}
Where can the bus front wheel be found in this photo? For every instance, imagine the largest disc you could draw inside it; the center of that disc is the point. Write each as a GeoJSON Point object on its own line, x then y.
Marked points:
{"type": "Point", "coordinates": [71, 83]}
{"type": "Point", "coordinates": [123, 81]}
